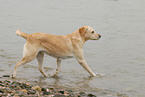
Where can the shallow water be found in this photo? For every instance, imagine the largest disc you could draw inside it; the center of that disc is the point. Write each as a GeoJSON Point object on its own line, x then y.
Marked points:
{"type": "Point", "coordinates": [119, 54]}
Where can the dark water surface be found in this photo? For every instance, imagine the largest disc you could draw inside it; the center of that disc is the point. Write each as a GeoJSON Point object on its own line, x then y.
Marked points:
{"type": "Point", "coordinates": [119, 54]}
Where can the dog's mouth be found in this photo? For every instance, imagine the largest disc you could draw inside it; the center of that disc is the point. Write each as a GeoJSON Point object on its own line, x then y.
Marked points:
{"type": "Point", "coordinates": [98, 37]}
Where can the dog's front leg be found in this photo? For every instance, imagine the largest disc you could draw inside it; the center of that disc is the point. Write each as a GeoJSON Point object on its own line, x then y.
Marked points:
{"type": "Point", "coordinates": [80, 58]}
{"type": "Point", "coordinates": [86, 67]}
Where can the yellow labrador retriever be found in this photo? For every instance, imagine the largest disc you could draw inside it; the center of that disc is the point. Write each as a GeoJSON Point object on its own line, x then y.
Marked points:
{"type": "Point", "coordinates": [58, 46]}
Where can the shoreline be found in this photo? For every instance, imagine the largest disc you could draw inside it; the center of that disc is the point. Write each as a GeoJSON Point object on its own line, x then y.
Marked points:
{"type": "Point", "coordinates": [21, 89]}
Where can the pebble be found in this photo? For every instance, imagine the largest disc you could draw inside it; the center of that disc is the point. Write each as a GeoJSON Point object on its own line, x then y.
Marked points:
{"type": "Point", "coordinates": [59, 95]}
{"type": "Point", "coordinates": [31, 91]}
{"type": "Point", "coordinates": [36, 88]}
{"type": "Point", "coordinates": [6, 76]}
{"type": "Point", "coordinates": [46, 93]}
{"type": "Point", "coordinates": [23, 89]}
{"type": "Point", "coordinates": [82, 93]}
{"type": "Point", "coordinates": [91, 95]}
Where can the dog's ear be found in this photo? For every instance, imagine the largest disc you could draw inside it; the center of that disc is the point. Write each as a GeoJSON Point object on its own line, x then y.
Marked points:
{"type": "Point", "coordinates": [82, 31]}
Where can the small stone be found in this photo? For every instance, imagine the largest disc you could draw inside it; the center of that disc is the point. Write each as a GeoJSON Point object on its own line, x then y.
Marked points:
{"type": "Point", "coordinates": [2, 84]}
{"type": "Point", "coordinates": [78, 95]}
{"type": "Point", "coordinates": [36, 88]}
{"type": "Point", "coordinates": [1, 91]}
{"type": "Point", "coordinates": [24, 85]}
{"type": "Point", "coordinates": [66, 92]}
{"type": "Point", "coordinates": [82, 93]}
{"type": "Point", "coordinates": [22, 93]}
{"type": "Point", "coordinates": [27, 84]}
{"type": "Point", "coordinates": [8, 90]}
{"type": "Point", "coordinates": [31, 92]}
{"type": "Point", "coordinates": [6, 75]}
{"type": "Point", "coordinates": [8, 95]}
{"type": "Point", "coordinates": [51, 88]}
{"type": "Point", "coordinates": [46, 93]}
{"type": "Point", "coordinates": [62, 92]}
{"type": "Point", "coordinates": [19, 88]}
{"type": "Point", "coordinates": [43, 89]}
{"type": "Point", "coordinates": [6, 81]}
{"type": "Point", "coordinates": [15, 83]}
{"type": "Point", "coordinates": [1, 81]}
{"type": "Point", "coordinates": [69, 90]}
{"type": "Point", "coordinates": [4, 94]}
{"type": "Point", "coordinates": [16, 95]}
{"type": "Point", "coordinates": [1, 94]}
{"type": "Point", "coordinates": [59, 95]}
{"type": "Point", "coordinates": [13, 86]}
{"type": "Point", "coordinates": [24, 90]}
{"type": "Point", "coordinates": [91, 95]}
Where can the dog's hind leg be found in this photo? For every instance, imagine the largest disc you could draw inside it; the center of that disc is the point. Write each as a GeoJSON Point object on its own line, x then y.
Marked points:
{"type": "Point", "coordinates": [22, 62]}
{"type": "Point", "coordinates": [40, 57]}
{"type": "Point", "coordinates": [28, 55]}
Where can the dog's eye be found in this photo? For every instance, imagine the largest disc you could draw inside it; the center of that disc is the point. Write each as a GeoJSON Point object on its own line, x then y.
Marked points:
{"type": "Point", "coordinates": [92, 31]}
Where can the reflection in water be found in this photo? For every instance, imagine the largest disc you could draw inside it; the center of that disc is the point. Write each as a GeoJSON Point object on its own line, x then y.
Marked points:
{"type": "Point", "coordinates": [82, 84]}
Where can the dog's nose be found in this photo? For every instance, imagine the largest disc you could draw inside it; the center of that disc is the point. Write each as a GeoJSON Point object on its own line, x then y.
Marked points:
{"type": "Point", "coordinates": [99, 36]}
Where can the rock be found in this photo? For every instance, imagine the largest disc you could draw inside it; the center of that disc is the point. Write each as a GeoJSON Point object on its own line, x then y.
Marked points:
{"type": "Point", "coordinates": [46, 93]}
{"type": "Point", "coordinates": [16, 95]}
{"type": "Point", "coordinates": [27, 84]}
{"type": "Point", "coordinates": [62, 92]}
{"type": "Point", "coordinates": [1, 94]}
{"type": "Point", "coordinates": [51, 88]}
{"type": "Point", "coordinates": [91, 95]}
{"type": "Point", "coordinates": [8, 90]}
{"type": "Point", "coordinates": [43, 89]}
{"type": "Point", "coordinates": [59, 95]}
{"type": "Point", "coordinates": [2, 84]}
{"type": "Point", "coordinates": [1, 81]}
{"type": "Point", "coordinates": [82, 94]}
{"type": "Point", "coordinates": [31, 91]}
{"type": "Point", "coordinates": [36, 88]}
{"type": "Point", "coordinates": [6, 75]}
{"type": "Point", "coordinates": [1, 90]}
{"type": "Point", "coordinates": [23, 85]}
{"type": "Point", "coordinates": [14, 83]}
{"type": "Point", "coordinates": [19, 88]}
{"type": "Point", "coordinates": [13, 86]}
{"type": "Point", "coordinates": [6, 81]}
{"type": "Point", "coordinates": [24, 90]}
{"type": "Point", "coordinates": [66, 93]}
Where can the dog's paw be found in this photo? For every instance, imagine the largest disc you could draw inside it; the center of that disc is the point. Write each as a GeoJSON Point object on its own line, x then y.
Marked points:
{"type": "Point", "coordinates": [46, 76]}
{"type": "Point", "coordinates": [54, 75]}
{"type": "Point", "coordinates": [100, 75]}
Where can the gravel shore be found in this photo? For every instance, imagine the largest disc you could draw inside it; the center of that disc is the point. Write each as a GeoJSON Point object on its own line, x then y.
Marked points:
{"type": "Point", "coordinates": [22, 89]}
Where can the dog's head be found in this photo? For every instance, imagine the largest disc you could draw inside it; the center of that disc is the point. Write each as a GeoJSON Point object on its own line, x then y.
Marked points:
{"type": "Point", "coordinates": [88, 33]}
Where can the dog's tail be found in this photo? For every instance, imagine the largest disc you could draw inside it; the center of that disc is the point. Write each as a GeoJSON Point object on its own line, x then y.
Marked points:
{"type": "Point", "coordinates": [22, 34]}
